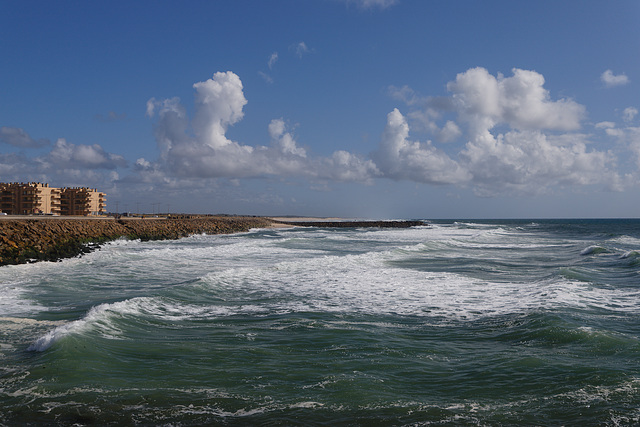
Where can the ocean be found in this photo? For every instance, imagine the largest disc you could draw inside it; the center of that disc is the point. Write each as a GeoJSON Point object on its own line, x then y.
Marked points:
{"type": "Point", "coordinates": [470, 322]}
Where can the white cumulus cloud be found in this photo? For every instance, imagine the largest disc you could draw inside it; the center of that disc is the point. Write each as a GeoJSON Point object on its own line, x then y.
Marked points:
{"type": "Point", "coordinates": [344, 166]}
{"type": "Point", "coordinates": [503, 134]}
{"type": "Point", "coordinates": [200, 148]}
{"type": "Point", "coordinates": [515, 137]}
{"type": "Point", "coordinates": [531, 156]}
{"type": "Point", "coordinates": [530, 162]}
{"type": "Point", "coordinates": [219, 103]}
{"type": "Point", "coordinates": [632, 137]}
{"type": "Point", "coordinates": [492, 133]}
{"type": "Point", "coordinates": [67, 155]}
{"type": "Point", "coordinates": [520, 101]}
{"type": "Point", "coordinates": [628, 137]}
{"type": "Point", "coordinates": [399, 158]}
{"type": "Point", "coordinates": [611, 80]}
{"type": "Point", "coordinates": [450, 132]}
{"type": "Point", "coordinates": [284, 140]}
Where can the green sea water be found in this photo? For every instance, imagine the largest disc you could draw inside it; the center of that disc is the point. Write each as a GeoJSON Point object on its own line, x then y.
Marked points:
{"type": "Point", "coordinates": [453, 323]}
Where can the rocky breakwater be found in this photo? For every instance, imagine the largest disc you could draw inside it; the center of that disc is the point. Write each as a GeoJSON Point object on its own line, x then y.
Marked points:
{"type": "Point", "coordinates": [51, 239]}
{"type": "Point", "coordinates": [354, 224]}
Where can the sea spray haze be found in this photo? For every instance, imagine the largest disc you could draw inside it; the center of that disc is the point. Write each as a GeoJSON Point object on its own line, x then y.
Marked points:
{"type": "Point", "coordinates": [456, 323]}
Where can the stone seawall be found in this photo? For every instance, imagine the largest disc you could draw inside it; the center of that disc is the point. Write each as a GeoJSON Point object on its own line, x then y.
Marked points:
{"type": "Point", "coordinates": [51, 239]}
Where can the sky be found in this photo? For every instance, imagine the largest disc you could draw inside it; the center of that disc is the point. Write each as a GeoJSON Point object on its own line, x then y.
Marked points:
{"type": "Point", "coordinates": [351, 108]}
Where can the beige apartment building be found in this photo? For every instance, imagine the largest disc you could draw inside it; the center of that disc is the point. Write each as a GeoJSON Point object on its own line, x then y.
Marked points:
{"type": "Point", "coordinates": [81, 201]}
{"type": "Point", "coordinates": [37, 198]}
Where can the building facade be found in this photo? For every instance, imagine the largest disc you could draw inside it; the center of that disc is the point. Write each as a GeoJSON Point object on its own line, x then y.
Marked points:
{"type": "Point", "coordinates": [81, 201]}
{"type": "Point", "coordinates": [36, 198]}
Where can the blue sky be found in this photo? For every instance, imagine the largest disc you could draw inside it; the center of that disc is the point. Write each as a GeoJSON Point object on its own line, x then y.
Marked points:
{"type": "Point", "coordinates": [358, 108]}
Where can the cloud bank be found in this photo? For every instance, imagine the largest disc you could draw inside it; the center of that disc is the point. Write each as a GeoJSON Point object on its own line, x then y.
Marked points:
{"type": "Point", "coordinates": [495, 134]}
{"type": "Point", "coordinates": [500, 135]}
{"type": "Point", "coordinates": [531, 156]}
{"type": "Point", "coordinates": [200, 148]}
{"type": "Point", "coordinates": [66, 164]}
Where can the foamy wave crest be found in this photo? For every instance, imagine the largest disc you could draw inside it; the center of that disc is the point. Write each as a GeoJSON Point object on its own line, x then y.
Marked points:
{"type": "Point", "coordinates": [107, 319]}
{"type": "Point", "coordinates": [631, 254]}
{"type": "Point", "coordinates": [593, 250]}
{"type": "Point", "coordinates": [466, 224]}
{"type": "Point", "coordinates": [46, 341]}
{"type": "Point", "coordinates": [626, 240]}
{"type": "Point", "coordinates": [101, 315]}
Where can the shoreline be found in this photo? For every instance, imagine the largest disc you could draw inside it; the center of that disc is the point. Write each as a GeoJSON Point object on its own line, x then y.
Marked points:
{"type": "Point", "coordinates": [30, 239]}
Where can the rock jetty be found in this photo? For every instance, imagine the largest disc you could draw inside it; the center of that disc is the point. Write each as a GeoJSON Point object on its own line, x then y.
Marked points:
{"type": "Point", "coordinates": [32, 239]}
{"type": "Point", "coordinates": [51, 239]}
{"type": "Point", "coordinates": [353, 224]}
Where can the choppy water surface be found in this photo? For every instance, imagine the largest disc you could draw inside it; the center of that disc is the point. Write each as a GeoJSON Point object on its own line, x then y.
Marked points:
{"type": "Point", "coordinates": [458, 323]}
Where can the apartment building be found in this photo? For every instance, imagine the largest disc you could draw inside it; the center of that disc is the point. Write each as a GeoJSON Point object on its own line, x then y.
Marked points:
{"type": "Point", "coordinates": [81, 201]}
{"type": "Point", "coordinates": [37, 198]}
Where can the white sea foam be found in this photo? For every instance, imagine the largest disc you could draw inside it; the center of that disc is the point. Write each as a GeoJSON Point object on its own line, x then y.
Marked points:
{"type": "Point", "coordinates": [368, 284]}
{"type": "Point", "coordinates": [308, 271]}
{"type": "Point", "coordinates": [626, 240]}
{"type": "Point", "coordinates": [14, 300]}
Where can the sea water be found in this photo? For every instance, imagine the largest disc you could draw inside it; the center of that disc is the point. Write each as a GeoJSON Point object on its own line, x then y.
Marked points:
{"type": "Point", "coordinates": [452, 323]}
